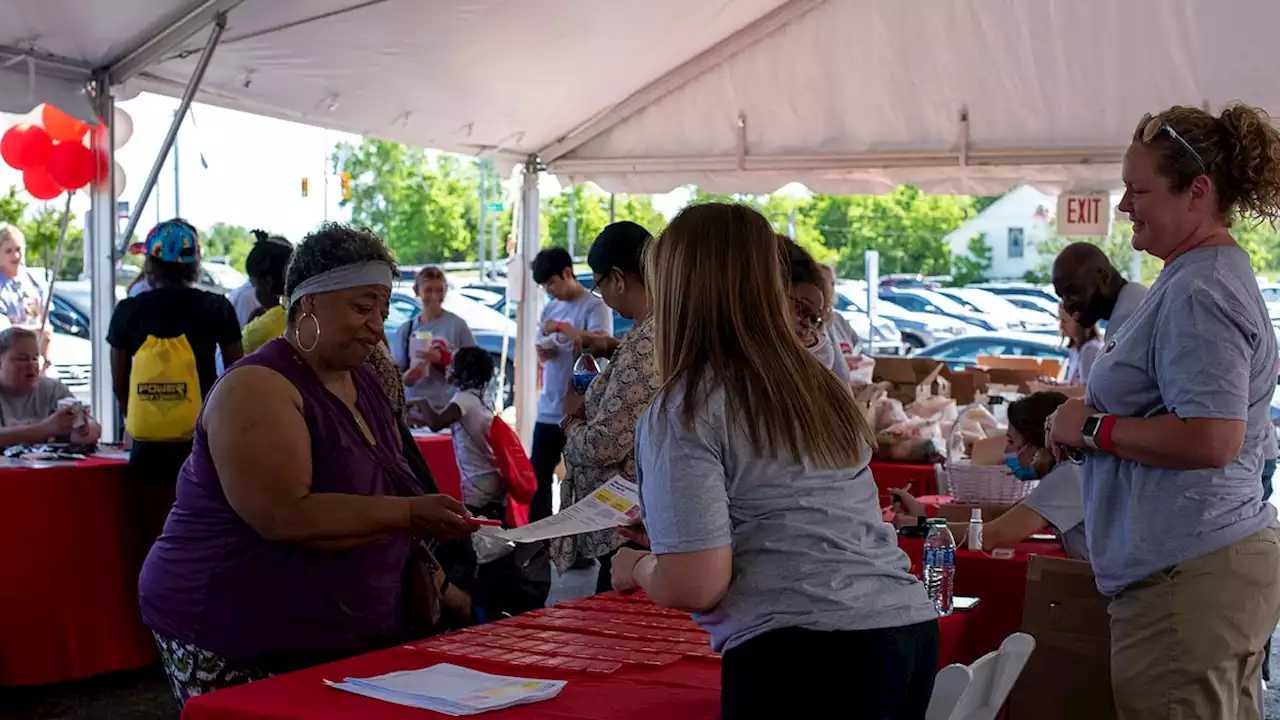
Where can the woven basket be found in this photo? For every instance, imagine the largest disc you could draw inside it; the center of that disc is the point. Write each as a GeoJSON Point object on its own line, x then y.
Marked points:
{"type": "Point", "coordinates": [990, 484]}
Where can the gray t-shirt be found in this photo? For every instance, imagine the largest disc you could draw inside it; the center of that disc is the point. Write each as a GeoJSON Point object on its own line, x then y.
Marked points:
{"type": "Point", "coordinates": [1127, 301]}
{"type": "Point", "coordinates": [433, 387]}
{"type": "Point", "coordinates": [588, 312]}
{"type": "Point", "coordinates": [810, 547]}
{"type": "Point", "coordinates": [1056, 498]}
{"type": "Point", "coordinates": [1200, 346]}
{"type": "Point", "coordinates": [34, 407]}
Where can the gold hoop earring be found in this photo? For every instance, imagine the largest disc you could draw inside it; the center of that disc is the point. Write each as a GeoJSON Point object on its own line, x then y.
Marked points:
{"type": "Point", "coordinates": [298, 335]}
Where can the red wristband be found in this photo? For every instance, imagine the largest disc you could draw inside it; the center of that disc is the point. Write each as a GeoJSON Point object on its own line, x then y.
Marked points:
{"type": "Point", "coordinates": [1104, 434]}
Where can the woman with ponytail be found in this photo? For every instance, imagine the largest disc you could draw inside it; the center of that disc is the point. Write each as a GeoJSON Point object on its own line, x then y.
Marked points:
{"type": "Point", "coordinates": [1175, 427]}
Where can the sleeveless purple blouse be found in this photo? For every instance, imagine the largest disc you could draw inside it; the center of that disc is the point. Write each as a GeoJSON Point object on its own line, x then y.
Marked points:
{"type": "Point", "coordinates": [212, 581]}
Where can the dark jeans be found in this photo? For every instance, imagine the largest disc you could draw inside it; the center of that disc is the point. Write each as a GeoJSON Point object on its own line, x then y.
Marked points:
{"type": "Point", "coordinates": [548, 444]}
{"type": "Point", "coordinates": [884, 674]}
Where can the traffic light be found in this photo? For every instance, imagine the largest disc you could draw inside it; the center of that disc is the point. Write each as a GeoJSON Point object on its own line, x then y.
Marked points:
{"type": "Point", "coordinates": [346, 186]}
{"type": "Point", "coordinates": [304, 187]}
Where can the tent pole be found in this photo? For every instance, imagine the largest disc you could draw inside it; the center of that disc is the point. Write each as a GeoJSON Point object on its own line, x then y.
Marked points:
{"type": "Point", "coordinates": [102, 258]}
{"type": "Point", "coordinates": [528, 309]}
{"type": "Point", "coordinates": [219, 25]}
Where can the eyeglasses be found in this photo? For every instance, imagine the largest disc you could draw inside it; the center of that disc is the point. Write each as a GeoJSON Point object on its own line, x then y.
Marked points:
{"type": "Point", "coordinates": [1152, 126]}
{"type": "Point", "coordinates": [596, 285]}
{"type": "Point", "coordinates": [805, 310]}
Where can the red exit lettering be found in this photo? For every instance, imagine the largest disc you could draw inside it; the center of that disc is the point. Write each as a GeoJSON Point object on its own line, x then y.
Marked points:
{"type": "Point", "coordinates": [1084, 210]}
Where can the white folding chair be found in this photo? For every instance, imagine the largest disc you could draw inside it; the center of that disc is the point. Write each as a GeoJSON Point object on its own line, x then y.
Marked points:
{"type": "Point", "coordinates": [977, 691]}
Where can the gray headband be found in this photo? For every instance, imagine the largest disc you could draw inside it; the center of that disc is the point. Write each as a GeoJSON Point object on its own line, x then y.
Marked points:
{"type": "Point", "coordinates": [372, 272]}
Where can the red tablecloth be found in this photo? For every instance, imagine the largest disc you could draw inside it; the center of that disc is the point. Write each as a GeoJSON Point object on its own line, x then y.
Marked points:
{"type": "Point", "coordinates": [1001, 584]}
{"type": "Point", "coordinates": [687, 690]}
{"type": "Point", "coordinates": [437, 450]}
{"type": "Point", "coordinates": [69, 561]}
{"type": "Point", "coordinates": [896, 475]}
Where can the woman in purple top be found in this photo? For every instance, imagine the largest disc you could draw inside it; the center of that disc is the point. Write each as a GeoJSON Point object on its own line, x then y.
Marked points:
{"type": "Point", "coordinates": [294, 516]}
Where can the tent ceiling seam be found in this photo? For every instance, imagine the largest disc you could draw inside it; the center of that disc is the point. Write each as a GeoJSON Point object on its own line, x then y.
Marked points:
{"type": "Point", "coordinates": [184, 54]}
{"type": "Point", "coordinates": [679, 76]}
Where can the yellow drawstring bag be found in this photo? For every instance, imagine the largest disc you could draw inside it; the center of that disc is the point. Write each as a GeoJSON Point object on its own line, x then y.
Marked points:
{"type": "Point", "coordinates": [164, 391]}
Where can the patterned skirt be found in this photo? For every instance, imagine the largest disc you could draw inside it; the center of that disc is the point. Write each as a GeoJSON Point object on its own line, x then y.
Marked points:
{"type": "Point", "coordinates": [194, 671]}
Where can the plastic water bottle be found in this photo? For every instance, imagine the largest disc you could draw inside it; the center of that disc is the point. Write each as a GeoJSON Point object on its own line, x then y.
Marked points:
{"type": "Point", "coordinates": [584, 371]}
{"type": "Point", "coordinates": [940, 565]}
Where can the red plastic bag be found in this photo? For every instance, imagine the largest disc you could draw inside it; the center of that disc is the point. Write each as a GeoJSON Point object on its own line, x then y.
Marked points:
{"type": "Point", "coordinates": [515, 469]}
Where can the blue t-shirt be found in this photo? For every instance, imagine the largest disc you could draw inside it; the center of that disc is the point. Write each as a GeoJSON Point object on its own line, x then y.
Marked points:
{"type": "Point", "coordinates": [1201, 346]}
{"type": "Point", "coordinates": [587, 312]}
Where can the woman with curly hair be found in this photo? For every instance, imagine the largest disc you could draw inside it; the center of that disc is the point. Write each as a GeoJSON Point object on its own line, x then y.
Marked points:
{"type": "Point", "coordinates": [295, 537]}
{"type": "Point", "coordinates": [1176, 427]}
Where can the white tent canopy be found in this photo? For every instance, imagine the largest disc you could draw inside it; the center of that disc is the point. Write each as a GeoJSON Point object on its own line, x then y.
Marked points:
{"type": "Point", "coordinates": [741, 95]}
{"type": "Point", "coordinates": [845, 96]}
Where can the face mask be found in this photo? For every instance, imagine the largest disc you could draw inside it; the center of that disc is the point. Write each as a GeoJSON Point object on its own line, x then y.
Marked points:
{"type": "Point", "coordinates": [1020, 471]}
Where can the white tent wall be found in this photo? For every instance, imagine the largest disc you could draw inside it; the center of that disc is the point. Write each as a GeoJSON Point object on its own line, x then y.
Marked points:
{"type": "Point", "coordinates": [846, 96]}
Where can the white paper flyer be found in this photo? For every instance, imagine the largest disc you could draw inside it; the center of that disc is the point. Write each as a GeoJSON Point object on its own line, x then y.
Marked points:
{"type": "Point", "coordinates": [615, 503]}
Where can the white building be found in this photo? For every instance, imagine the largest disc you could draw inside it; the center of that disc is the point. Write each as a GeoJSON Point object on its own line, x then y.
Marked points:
{"type": "Point", "coordinates": [1014, 226]}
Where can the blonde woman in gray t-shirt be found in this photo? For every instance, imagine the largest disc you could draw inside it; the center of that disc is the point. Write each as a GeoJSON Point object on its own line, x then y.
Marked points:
{"type": "Point", "coordinates": [1176, 427]}
{"type": "Point", "coordinates": [761, 511]}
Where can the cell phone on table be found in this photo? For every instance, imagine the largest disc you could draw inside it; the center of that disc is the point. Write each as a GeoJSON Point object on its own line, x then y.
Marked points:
{"type": "Point", "coordinates": [963, 603]}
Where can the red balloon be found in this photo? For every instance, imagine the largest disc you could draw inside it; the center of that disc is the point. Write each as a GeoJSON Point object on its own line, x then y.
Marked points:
{"type": "Point", "coordinates": [61, 126]}
{"type": "Point", "coordinates": [39, 184]}
{"type": "Point", "coordinates": [25, 146]}
{"type": "Point", "coordinates": [11, 147]}
{"type": "Point", "coordinates": [71, 165]}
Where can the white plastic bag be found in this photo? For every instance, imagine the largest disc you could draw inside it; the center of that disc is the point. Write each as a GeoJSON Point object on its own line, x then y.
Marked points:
{"type": "Point", "coordinates": [861, 368]}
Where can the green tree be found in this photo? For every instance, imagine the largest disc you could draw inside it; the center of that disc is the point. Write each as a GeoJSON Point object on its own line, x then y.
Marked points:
{"type": "Point", "coordinates": [591, 213]}
{"type": "Point", "coordinates": [906, 226]}
{"type": "Point", "coordinates": [778, 210]}
{"type": "Point", "coordinates": [639, 209]}
{"type": "Point", "coordinates": [41, 228]}
{"type": "Point", "coordinates": [974, 266]}
{"type": "Point", "coordinates": [230, 241]}
{"type": "Point", "coordinates": [426, 211]}
{"type": "Point", "coordinates": [1261, 240]}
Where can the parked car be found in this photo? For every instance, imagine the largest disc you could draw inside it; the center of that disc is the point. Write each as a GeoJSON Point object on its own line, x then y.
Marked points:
{"type": "Point", "coordinates": [917, 329]}
{"type": "Point", "coordinates": [1015, 288]}
{"type": "Point", "coordinates": [489, 328]}
{"type": "Point", "coordinates": [907, 280]}
{"type": "Point", "coordinates": [1035, 303]}
{"type": "Point", "coordinates": [921, 330]}
{"type": "Point", "coordinates": [928, 301]}
{"type": "Point", "coordinates": [962, 352]}
{"type": "Point", "coordinates": [992, 305]}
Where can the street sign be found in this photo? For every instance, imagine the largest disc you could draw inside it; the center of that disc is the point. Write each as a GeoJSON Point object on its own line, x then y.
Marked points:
{"type": "Point", "coordinates": [493, 207]}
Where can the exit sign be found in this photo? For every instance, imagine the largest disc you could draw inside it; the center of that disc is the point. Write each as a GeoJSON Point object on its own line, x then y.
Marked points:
{"type": "Point", "coordinates": [1084, 215]}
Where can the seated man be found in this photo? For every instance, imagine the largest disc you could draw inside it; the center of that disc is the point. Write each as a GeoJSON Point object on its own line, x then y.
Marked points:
{"type": "Point", "coordinates": [29, 409]}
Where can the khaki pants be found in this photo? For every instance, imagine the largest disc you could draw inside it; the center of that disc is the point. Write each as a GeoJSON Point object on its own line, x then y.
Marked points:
{"type": "Point", "coordinates": [1187, 643]}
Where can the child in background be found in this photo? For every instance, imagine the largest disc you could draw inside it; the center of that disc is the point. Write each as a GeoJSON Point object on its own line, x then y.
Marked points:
{"type": "Point", "coordinates": [469, 413]}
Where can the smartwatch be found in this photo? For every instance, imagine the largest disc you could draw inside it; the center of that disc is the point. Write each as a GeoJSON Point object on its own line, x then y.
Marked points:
{"type": "Point", "coordinates": [1092, 426]}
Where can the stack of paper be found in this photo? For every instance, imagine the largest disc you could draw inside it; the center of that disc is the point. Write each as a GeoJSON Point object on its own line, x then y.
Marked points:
{"type": "Point", "coordinates": [451, 689]}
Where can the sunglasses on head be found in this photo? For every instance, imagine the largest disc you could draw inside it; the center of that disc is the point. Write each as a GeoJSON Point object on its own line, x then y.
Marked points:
{"type": "Point", "coordinates": [1153, 126]}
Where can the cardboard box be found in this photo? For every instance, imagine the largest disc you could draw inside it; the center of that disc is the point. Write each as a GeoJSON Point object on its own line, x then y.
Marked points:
{"type": "Point", "coordinates": [967, 386]}
{"type": "Point", "coordinates": [1049, 367]}
{"type": "Point", "coordinates": [911, 379]}
{"type": "Point", "coordinates": [1022, 379]}
{"type": "Point", "coordinates": [962, 512]}
{"type": "Point", "coordinates": [1069, 673]}
{"type": "Point", "coordinates": [1071, 391]}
